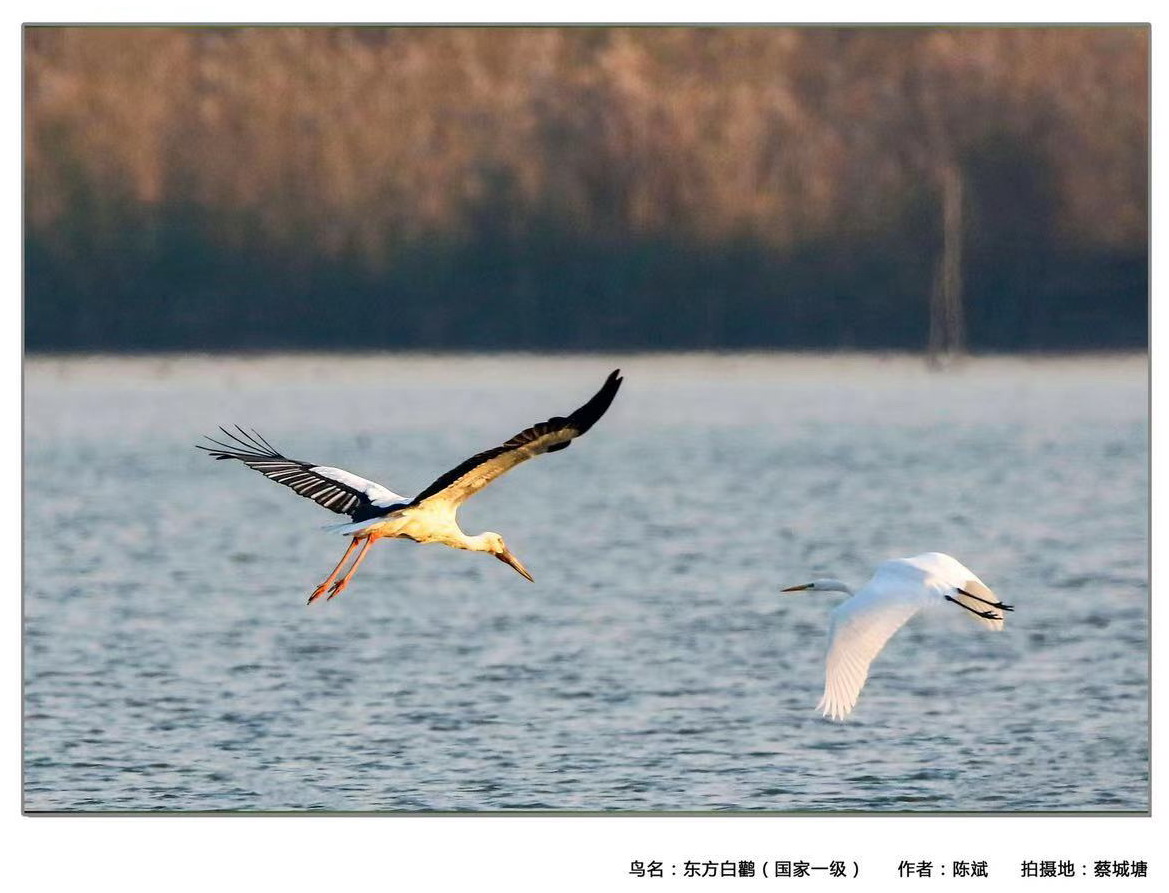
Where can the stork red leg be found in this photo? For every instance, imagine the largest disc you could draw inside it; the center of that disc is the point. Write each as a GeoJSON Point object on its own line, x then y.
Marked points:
{"type": "Point", "coordinates": [340, 585]}
{"type": "Point", "coordinates": [320, 590]}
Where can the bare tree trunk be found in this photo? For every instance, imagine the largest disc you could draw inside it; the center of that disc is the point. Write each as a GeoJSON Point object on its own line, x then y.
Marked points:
{"type": "Point", "coordinates": [947, 317]}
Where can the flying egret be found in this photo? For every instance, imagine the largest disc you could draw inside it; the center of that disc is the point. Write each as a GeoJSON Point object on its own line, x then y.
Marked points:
{"type": "Point", "coordinates": [899, 589]}
{"type": "Point", "coordinates": [429, 517]}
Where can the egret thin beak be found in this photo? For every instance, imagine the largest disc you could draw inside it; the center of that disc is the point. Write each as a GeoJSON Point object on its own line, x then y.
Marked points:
{"type": "Point", "coordinates": [507, 558]}
{"type": "Point", "coordinates": [797, 588]}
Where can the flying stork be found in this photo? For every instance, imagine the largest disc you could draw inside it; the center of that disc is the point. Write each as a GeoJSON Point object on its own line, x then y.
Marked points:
{"type": "Point", "coordinates": [376, 512]}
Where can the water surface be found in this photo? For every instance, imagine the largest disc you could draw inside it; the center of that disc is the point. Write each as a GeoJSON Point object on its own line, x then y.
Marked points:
{"type": "Point", "coordinates": [171, 663]}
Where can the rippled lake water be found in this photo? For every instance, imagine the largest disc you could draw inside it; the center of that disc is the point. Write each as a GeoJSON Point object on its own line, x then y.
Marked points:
{"type": "Point", "coordinates": [170, 661]}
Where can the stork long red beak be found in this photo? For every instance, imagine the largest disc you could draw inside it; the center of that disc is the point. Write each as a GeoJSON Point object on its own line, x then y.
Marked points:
{"type": "Point", "coordinates": [799, 588]}
{"type": "Point", "coordinates": [508, 558]}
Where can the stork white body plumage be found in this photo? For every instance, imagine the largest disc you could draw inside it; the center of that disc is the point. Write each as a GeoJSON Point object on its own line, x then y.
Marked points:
{"type": "Point", "coordinates": [898, 589]}
{"type": "Point", "coordinates": [377, 512]}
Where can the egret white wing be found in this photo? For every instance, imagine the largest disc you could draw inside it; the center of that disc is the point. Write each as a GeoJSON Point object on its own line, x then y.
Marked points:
{"type": "Point", "coordinates": [954, 575]}
{"type": "Point", "coordinates": [859, 630]}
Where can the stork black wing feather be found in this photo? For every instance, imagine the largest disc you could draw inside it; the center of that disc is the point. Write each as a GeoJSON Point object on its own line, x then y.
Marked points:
{"type": "Point", "coordinates": [577, 423]}
{"type": "Point", "coordinates": [355, 496]}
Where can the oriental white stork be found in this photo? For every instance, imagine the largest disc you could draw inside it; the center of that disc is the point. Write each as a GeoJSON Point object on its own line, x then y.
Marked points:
{"type": "Point", "coordinates": [898, 589]}
{"type": "Point", "coordinates": [429, 517]}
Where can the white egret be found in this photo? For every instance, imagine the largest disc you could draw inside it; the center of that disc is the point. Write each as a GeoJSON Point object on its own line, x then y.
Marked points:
{"type": "Point", "coordinates": [899, 589]}
{"type": "Point", "coordinates": [429, 517]}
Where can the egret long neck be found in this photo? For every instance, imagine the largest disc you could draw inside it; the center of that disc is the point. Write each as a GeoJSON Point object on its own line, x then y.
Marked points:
{"type": "Point", "coordinates": [832, 585]}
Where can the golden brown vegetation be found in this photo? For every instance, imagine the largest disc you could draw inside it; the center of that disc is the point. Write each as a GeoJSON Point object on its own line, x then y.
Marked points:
{"type": "Point", "coordinates": [358, 143]}
{"type": "Point", "coordinates": [366, 136]}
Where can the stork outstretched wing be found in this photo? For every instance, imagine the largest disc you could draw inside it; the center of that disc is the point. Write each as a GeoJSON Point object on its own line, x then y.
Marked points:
{"type": "Point", "coordinates": [336, 489]}
{"type": "Point", "coordinates": [466, 479]}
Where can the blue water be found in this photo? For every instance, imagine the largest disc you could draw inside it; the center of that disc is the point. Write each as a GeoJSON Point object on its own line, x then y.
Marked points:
{"type": "Point", "coordinates": [171, 662]}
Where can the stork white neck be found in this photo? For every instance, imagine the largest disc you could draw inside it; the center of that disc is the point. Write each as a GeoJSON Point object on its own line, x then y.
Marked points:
{"type": "Point", "coordinates": [482, 542]}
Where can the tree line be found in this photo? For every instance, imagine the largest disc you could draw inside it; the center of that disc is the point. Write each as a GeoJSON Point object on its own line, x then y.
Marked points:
{"type": "Point", "coordinates": [584, 188]}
